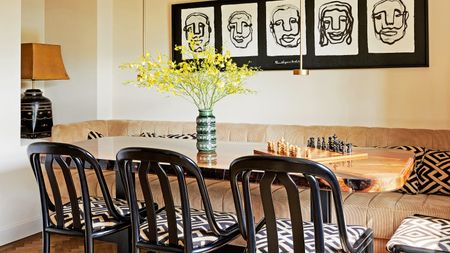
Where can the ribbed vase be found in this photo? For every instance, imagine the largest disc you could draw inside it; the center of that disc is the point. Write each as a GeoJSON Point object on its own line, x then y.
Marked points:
{"type": "Point", "coordinates": [206, 131]}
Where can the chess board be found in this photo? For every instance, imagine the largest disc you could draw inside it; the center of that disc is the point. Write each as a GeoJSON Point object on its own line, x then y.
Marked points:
{"type": "Point", "coordinates": [319, 155]}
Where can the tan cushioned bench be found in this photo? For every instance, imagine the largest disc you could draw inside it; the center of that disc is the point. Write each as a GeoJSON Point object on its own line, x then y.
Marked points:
{"type": "Point", "coordinates": [382, 212]}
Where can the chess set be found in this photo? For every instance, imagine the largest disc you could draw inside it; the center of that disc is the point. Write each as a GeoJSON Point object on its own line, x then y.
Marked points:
{"type": "Point", "coordinates": [316, 150]}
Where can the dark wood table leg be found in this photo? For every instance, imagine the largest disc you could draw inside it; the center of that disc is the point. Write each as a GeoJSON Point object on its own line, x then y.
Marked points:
{"type": "Point", "coordinates": [325, 202]}
{"type": "Point", "coordinates": [121, 191]}
{"type": "Point", "coordinates": [325, 199]}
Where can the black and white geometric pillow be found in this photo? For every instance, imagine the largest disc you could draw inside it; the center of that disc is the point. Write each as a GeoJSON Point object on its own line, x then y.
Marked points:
{"type": "Point", "coordinates": [420, 233]}
{"type": "Point", "coordinates": [434, 173]}
{"type": "Point", "coordinates": [170, 136]}
{"type": "Point", "coordinates": [412, 183]}
{"type": "Point", "coordinates": [94, 135]}
{"type": "Point", "coordinates": [147, 134]}
{"type": "Point", "coordinates": [181, 136]}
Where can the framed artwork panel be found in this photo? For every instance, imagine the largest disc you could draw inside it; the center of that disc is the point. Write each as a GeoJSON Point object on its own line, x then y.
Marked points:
{"type": "Point", "coordinates": [332, 34]}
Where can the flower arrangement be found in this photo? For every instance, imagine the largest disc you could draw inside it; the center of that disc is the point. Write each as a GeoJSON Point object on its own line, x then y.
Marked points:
{"type": "Point", "coordinates": [204, 80]}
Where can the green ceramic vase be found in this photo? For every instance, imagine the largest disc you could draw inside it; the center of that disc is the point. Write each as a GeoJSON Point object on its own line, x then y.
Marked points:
{"type": "Point", "coordinates": [206, 131]}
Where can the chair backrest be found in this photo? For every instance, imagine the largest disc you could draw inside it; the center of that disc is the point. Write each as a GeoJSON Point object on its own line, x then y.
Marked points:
{"type": "Point", "coordinates": [48, 157]}
{"type": "Point", "coordinates": [281, 170]}
{"type": "Point", "coordinates": [163, 163]}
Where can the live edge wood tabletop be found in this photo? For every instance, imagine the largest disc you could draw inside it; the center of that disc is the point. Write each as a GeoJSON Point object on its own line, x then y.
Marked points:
{"type": "Point", "coordinates": [381, 170]}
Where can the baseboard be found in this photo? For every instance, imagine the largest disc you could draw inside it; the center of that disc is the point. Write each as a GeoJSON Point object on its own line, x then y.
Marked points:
{"type": "Point", "coordinates": [20, 230]}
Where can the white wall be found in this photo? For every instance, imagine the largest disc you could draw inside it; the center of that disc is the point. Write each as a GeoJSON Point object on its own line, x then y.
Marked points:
{"type": "Point", "coordinates": [32, 30]}
{"type": "Point", "coordinates": [73, 25]}
{"type": "Point", "coordinates": [399, 97]}
{"type": "Point", "coordinates": [19, 202]}
{"type": "Point", "coordinates": [104, 58]}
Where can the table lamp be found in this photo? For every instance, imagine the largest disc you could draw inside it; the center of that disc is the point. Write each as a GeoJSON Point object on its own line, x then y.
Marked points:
{"type": "Point", "coordinates": [39, 62]}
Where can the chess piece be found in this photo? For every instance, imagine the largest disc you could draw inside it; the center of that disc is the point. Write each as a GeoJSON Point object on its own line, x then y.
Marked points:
{"type": "Point", "coordinates": [281, 147]}
{"type": "Point", "coordinates": [293, 150]}
{"type": "Point", "coordinates": [324, 144]}
{"type": "Point", "coordinates": [308, 153]}
{"type": "Point", "coordinates": [341, 147]}
{"type": "Point", "coordinates": [270, 146]}
{"type": "Point", "coordinates": [349, 148]}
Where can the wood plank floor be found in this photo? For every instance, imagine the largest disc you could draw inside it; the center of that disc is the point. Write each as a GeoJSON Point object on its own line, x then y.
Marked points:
{"type": "Point", "coordinates": [69, 244]}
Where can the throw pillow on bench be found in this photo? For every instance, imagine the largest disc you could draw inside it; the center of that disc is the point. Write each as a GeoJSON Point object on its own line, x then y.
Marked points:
{"type": "Point", "coordinates": [193, 136]}
{"type": "Point", "coordinates": [412, 183]}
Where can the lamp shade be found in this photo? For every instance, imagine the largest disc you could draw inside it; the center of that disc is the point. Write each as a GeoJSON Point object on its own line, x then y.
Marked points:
{"type": "Point", "coordinates": [42, 62]}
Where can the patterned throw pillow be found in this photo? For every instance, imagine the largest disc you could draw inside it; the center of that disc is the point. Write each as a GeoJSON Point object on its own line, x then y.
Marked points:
{"type": "Point", "coordinates": [412, 183]}
{"type": "Point", "coordinates": [170, 136]}
{"type": "Point", "coordinates": [147, 134]}
{"type": "Point", "coordinates": [181, 136]}
{"type": "Point", "coordinates": [94, 135]}
{"type": "Point", "coordinates": [434, 173]}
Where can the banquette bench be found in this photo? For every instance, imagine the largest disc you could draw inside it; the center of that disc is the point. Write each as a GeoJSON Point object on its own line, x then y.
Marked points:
{"type": "Point", "coordinates": [383, 212]}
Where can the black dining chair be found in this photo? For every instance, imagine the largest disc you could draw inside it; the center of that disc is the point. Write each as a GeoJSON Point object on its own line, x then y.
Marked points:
{"type": "Point", "coordinates": [172, 228]}
{"type": "Point", "coordinates": [92, 217]}
{"type": "Point", "coordinates": [273, 234]}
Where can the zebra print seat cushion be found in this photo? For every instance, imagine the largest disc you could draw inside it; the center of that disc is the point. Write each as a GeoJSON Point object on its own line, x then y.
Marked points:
{"type": "Point", "coordinates": [101, 218]}
{"type": "Point", "coordinates": [285, 243]}
{"type": "Point", "coordinates": [201, 232]}
{"type": "Point", "coordinates": [422, 234]}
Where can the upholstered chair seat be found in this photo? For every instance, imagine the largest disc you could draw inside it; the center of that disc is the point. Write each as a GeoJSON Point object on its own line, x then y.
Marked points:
{"type": "Point", "coordinates": [331, 236]}
{"type": "Point", "coordinates": [202, 234]}
{"type": "Point", "coordinates": [101, 218]}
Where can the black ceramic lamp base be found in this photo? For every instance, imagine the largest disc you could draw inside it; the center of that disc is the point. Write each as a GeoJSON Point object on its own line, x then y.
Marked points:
{"type": "Point", "coordinates": [36, 115]}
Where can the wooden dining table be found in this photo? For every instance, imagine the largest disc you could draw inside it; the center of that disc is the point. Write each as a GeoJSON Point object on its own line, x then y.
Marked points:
{"type": "Point", "coordinates": [377, 170]}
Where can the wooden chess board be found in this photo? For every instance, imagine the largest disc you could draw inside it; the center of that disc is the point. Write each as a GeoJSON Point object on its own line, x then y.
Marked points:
{"type": "Point", "coordinates": [319, 155]}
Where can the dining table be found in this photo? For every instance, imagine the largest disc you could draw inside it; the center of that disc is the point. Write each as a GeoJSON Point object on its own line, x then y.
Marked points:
{"type": "Point", "coordinates": [368, 170]}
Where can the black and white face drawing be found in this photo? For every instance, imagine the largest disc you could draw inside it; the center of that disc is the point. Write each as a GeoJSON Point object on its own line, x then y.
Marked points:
{"type": "Point", "coordinates": [240, 28]}
{"type": "Point", "coordinates": [390, 20]}
{"type": "Point", "coordinates": [199, 26]}
{"type": "Point", "coordinates": [285, 25]}
{"type": "Point", "coordinates": [335, 23]}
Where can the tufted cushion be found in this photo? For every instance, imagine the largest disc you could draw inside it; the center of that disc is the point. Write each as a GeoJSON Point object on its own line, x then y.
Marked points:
{"type": "Point", "coordinates": [422, 233]}
{"type": "Point", "coordinates": [94, 135]}
{"type": "Point", "coordinates": [285, 243]}
{"type": "Point", "coordinates": [412, 183]}
{"type": "Point", "coordinates": [434, 174]}
{"type": "Point", "coordinates": [201, 232]}
{"type": "Point", "coordinates": [101, 218]}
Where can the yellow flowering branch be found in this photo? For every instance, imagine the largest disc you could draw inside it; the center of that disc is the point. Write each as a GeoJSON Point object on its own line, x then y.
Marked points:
{"type": "Point", "coordinates": [204, 80]}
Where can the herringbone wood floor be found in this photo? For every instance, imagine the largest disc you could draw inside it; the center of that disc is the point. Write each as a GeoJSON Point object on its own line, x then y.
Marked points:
{"type": "Point", "coordinates": [59, 244]}
{"type": "Point", "coordinates": [69, 244]}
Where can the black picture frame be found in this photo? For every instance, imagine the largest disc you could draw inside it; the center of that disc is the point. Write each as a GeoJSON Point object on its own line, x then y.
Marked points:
{"type": "Point", "coordinates": [364, 59]}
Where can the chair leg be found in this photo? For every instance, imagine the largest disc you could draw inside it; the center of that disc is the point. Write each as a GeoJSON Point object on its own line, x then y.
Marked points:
{"type": "Point", "coordinates": [88, 244]}
{"type": "Point", "coordinates": [370, 248]}
{"type": "Point", "coordinates": [45, 242]}
{"type": "Point", "coordinates": [124, 242]}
